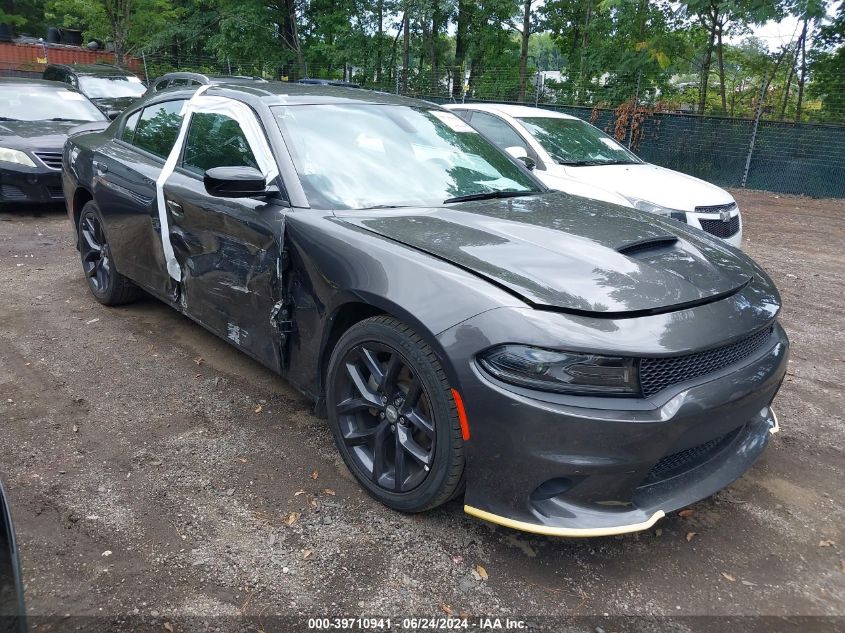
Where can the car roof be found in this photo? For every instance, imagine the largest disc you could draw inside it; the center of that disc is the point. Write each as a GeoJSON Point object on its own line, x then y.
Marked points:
{"type": "Point", "coordinates": [38, 83]}
{"type": "Point", "coordinates": [287, 93]}
{"type": "Point", "coordinates": [326, 82]}
{"type": "Point", "coordinates": [516, 111]}
{"type": "Point", "coordinates": [95, 69]}
{"type": "Point", "coordinates": [209, 78]}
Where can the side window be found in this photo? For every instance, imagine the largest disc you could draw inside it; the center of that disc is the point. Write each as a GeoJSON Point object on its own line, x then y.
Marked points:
{"type": "Point", "coordinates": [179, 82]}
{"type": "Point", "coordinates": [497, 130]}
{"type": "Point", "coordinates": [158, 127]}
{"type": "Point", "coordinates": [71, 79]}
{"type": "Point", "coordinates": [466, 115]}
{"type": "Point", "coordinates": [129, 127]}
{"type": "Point", "coordinates": [216, 140]}
{"type": "Point", "coordinates": [161, 85]}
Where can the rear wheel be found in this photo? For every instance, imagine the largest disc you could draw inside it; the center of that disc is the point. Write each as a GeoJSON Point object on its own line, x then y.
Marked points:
{"type": "Point", "coordinates": [107, 285]}
{"type": "Point", "coordinates": [393, 416]}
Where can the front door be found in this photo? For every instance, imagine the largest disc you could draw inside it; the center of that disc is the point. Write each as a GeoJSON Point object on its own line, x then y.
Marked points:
{"type": "Point", "coordinates": [228, 249]}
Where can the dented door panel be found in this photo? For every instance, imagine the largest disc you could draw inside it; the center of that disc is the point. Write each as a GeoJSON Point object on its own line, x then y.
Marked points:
{"type": "Point", "coordinates": [229, 253]}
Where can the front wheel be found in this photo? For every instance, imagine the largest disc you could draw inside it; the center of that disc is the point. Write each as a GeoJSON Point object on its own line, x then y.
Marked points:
{"type": "Point", "coordinates": [107, 285]}
{"type": "Point", "coordinates": [393, 416]}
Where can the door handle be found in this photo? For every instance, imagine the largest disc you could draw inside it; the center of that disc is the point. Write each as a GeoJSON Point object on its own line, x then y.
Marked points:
{"type": "Point", "coordinates": [101, 168]}
{"type": "Point", "coordinates": [175, 208]}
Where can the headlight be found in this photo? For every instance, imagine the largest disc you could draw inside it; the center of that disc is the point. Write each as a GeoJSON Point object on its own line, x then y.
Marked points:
{"type": "Point", "coordinates": [645, 205]}
{"type": "Point", "coordinates": [563, 372]}
{"type": "Point", "coordinates": [16, 156]}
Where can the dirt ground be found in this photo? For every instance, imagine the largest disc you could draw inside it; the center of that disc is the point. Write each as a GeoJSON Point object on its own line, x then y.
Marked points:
{"type": "Point", "coordinates": [158, 475]}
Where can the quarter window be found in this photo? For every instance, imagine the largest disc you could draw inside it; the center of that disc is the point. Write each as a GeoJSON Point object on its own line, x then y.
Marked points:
{"type": "Point", "coordinates": [158, 127]}
{"type": "Point", "coordinates": [216, 140]}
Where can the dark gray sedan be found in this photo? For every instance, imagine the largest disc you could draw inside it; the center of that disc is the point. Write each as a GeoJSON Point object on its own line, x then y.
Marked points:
{"type": "Point", "coordinates": [571, 367]}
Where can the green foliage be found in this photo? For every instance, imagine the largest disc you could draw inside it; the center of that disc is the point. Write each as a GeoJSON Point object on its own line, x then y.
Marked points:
{"type": "Point", "coordinates": [662, 53]}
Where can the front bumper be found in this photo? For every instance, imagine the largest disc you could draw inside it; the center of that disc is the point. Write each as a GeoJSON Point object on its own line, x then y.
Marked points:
{"type": "Point", "coordinates": [574, 466]}
{"type": "Point", "coordinates": [29, 185]}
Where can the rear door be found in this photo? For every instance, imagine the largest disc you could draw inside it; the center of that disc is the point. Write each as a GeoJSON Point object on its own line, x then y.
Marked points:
{"type": "Point", "coordinates": [125, 173]}
{"type": "Point", "coordinates": [229, 249]}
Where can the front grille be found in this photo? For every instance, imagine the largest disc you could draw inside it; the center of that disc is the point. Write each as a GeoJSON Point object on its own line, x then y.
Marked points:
{"type": "Point", "coordinates": [686, 460]}
{"type": "Point", "coordinates": [10, 192]}
{"type": "Point", "coordinates": [55, 192]}
{"type": "Point", "coordinates": [719, 228]}
{"type": "Point", "coordinates": [658, 373]}
{"type": "Point", "coordinates": [53, 160]}
{"type": "Point", "coordinates": [716, 208]}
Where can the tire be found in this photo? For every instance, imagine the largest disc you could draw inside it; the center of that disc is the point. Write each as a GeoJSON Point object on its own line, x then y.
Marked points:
{"type": "Point", "coordinates": [107, 285]}
{"type": "Point", "coordinates": [425, 429]}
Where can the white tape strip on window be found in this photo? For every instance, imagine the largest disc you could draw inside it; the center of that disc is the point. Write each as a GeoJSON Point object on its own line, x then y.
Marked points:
{"type": "Point", "coordinates": [236, 110]}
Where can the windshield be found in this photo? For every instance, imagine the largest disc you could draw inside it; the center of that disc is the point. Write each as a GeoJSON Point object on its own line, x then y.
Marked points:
{"type": "Point", "coordinates": [111, 87]}
{"type": "Point", "coordinates": [355, 156]}
{"type": "Point", "coordinates": [21, 102]}
{"type": "Point", "coordinates": [574, 142]}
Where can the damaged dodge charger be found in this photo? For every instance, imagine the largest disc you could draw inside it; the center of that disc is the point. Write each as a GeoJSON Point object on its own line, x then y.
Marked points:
{"type": "Point", "coordinates": [569, 366]}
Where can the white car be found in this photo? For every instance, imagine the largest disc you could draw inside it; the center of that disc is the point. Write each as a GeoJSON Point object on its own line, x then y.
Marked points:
{"type": "Point", "coordinates": [573, 156]}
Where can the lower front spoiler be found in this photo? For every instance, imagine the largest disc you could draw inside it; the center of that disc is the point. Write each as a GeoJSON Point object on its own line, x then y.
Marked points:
{"type": "Point", "coordinates": [548, 530]}
{"type": "Point", "coordinates": [652, 503]}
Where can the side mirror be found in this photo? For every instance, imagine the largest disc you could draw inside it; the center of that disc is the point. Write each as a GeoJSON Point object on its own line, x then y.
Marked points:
{"type": "Point", "coordinates": [519, 154]}
{"type": "Point", "coordinates": [234, 182]}
{"type": "Point", "coordinates": [12, 610]}
{"type": "Point", "coordinates": [112, 114]}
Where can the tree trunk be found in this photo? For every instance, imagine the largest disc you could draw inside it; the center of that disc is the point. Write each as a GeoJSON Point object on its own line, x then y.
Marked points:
{"type": "Point", "coordinates": [380, 41]}
{"type": "Point", "coordinates": [721, 59]}
{"type": "Point", "coordinates": [582, 62]}
{"type": "Point", "coordinates": [406, 44]}
{"type": "Point", "coordinates": [523, 53]}
{"type": "Point", "coordinates": [289, 32]}
{"type": "Point", "coordinates": [464, 9]}
{"type": "Point", "coordinates": [802, 78]}
{"type": "Point", "coordinates": [790, 74]}
{"type": "Point", "coordinates": [705, 65]}
{"type": "Point", "coordinates": [436, 24]}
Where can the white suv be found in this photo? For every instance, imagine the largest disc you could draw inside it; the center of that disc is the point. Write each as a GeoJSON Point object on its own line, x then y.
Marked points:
{"type": "Point", "coordinates": [573, 156]}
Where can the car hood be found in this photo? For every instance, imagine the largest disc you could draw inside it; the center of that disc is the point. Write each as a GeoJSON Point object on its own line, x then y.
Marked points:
{"type": "Point", "coordinates": [44, 135]}
{"type": "Point", "coordinates": [665, 187]}
{"type": "Point", "coordinates": [569, 253]}
{"type": "Point", "coordinates": [560, 181]}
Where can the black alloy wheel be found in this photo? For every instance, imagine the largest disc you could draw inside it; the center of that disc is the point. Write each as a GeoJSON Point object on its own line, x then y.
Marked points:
{"type": "Point", "coordinates": [107, 285]}
{"type": "Point", "coordinates": [393, 415]}
{"type": "Point", "coordinates": [385, 417]}
{"type": "Point", "coordinates": [96, 257]}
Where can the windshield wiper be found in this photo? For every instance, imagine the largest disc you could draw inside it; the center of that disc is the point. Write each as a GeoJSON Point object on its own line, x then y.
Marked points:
{"type": "Point", "coordinates": [593, 163]}
{"type": "Point", "coordinates": [59, 118]}
{"type": "Point", "coordinates": [8, 118]}
{"type": "Point", "coordinates": [490, 195]}
{"type": "Point", "coordinates": [383, 206]}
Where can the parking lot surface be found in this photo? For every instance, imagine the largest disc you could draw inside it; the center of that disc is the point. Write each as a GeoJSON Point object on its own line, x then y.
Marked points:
{"type": "Point", "coordinates": [156, 472]}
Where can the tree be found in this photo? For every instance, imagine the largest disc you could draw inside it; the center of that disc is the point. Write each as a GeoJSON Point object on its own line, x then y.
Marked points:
{"type": "Point", "coordinates": [127, 24]}
{"type": "Point", "coordinates": [827, 67]}
{"type": "Point", "coordinates": [721, 18]}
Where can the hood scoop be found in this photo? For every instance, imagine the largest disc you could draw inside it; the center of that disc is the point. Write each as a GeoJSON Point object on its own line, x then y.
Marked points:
{"type": "Point", "coordinates": [648, 244]}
